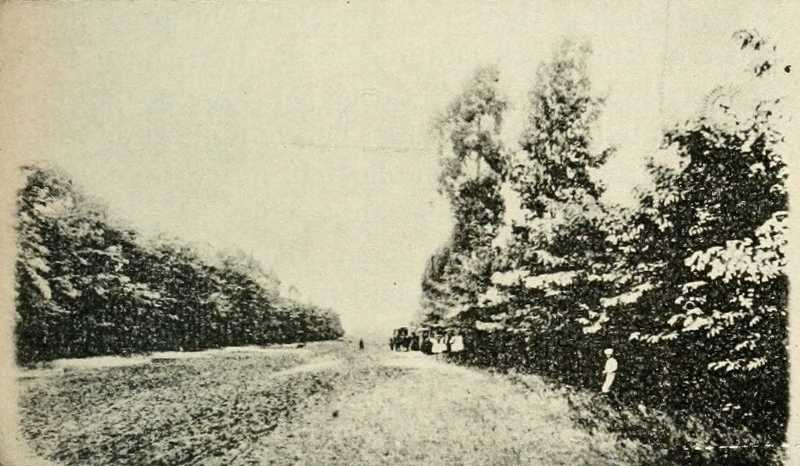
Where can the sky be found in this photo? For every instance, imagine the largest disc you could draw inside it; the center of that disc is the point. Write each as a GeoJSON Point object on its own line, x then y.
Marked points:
{"type": "Point", "coordinates": [300, 132]}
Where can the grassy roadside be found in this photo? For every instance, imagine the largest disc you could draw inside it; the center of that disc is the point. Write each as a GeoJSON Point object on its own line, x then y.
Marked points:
{"type": "Point", "coordinates": [667, 439]}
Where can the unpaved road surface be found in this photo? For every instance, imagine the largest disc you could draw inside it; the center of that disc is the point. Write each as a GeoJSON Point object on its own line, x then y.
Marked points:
{"type": "Point", "coordinates": [325, 404]}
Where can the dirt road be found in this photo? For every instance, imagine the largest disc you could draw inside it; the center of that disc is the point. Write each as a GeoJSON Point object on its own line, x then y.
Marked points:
{"type": "Point", "coordinates": [327, 404]}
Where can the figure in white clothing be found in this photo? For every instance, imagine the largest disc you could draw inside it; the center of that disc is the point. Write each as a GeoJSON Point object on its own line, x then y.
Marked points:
{"type": "Point", "coordinates": [438, 345]}
{"type": "Point", "coordinates": [458, 343]}
{"type": "Point", "coordinates": [610, 370]}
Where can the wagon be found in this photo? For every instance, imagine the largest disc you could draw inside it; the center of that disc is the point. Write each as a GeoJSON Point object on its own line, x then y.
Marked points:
{"type": "Point", "coordinates": [400, 339]}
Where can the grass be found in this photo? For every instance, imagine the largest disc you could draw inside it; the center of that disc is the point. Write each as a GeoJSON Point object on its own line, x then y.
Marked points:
{"type": "Point", "coordinates": [665, 439]}
{"type": "Point", "coordinates": [441, 414]}
{"type": "Point", "coordinates": [330, 404]}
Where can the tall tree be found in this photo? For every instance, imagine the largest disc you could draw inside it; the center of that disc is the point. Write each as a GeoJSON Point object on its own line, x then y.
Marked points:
{"type": "Point", "coordinates": [562, 231]}
{"type": "Point", "coordinates": [557, 144]}
{"type": "Point", "coordinates": [474, 164]}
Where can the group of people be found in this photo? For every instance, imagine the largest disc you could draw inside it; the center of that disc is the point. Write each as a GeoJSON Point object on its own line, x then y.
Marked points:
{"type": "Point", "coordinates": [426, 341]}
{"type": "Point", "coordinates": [435, 342]}
{"type": "Point", "coordinates": [448, 343]}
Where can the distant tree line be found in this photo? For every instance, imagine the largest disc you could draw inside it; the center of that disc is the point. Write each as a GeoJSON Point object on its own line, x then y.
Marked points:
{"type": "Point", "coordinates": [689, 286]}
{"type": "Point", "coordinates": [87, 286]}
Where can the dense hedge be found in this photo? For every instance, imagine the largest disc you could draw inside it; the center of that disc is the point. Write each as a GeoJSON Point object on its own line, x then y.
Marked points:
{"type": "Point", "coordinates": [88, 287]}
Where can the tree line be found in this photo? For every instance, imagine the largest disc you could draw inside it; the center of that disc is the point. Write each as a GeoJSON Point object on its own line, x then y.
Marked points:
{"type": "Point", "coordinates": [87, 286]}
{"type": "Point", "coordinates": [688, 286]}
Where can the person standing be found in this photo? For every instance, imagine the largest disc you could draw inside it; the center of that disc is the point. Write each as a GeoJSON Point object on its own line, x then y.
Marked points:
{"type": "Point", "coordinates": [438, 345]}
{"type": "Point", "coordinates": [361, 343]}
{"type": "Point", "coordinates": [458, 343]}
{"type": "Point", "coordinates": [610, 370]}
{"type": "Point", "coordinates": [414, 341]}
{"type": "Point", "coordinates": [427, 345]}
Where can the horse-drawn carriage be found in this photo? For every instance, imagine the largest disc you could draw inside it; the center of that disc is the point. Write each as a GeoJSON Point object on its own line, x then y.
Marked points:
{"type": "Point", "coordinates": [400, 339]}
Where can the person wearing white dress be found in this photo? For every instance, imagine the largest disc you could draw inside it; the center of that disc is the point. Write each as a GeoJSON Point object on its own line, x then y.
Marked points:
{"type": "Point", "coordinates": [457, 344]}
{"type": "Point", "coordinates": [438, 345]}
{"type": "Point", "coordinates": [610, 370]}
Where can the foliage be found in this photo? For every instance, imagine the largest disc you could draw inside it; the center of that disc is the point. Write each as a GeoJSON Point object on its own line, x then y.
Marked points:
{"type": "Point", "coordinates": [557, 142]}
{"type": "Point", "coordinates": [689, 286]}
{"type": "Point", "coordinates": [86, 286]}
{"type": "Point", "coordinates": [474, 164]}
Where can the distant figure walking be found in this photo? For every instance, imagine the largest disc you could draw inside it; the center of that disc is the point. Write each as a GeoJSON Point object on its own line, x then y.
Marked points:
{"type": "Point", "coordinates": [610, 370]}
{"type": "Point", "coordinates": [361, 343]}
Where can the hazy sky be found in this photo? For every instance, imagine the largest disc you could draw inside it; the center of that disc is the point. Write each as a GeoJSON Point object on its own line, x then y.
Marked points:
{"type": "Point", "coordinates": [299, 131]}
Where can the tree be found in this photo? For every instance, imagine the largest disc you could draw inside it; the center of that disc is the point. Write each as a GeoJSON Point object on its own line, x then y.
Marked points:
{"type": "Point", "coordinates": [473, 163]}
{"type": "Point", "coordinates": [86, 286]}
{"type": "Point", "coordinates": [690, 285]}
{"type": "Point", "coordinates": [709, 238]}
{"type": "Point", "coordinates": [561, 235]}
{"type": "Point", "coordinates": [557, 153]}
